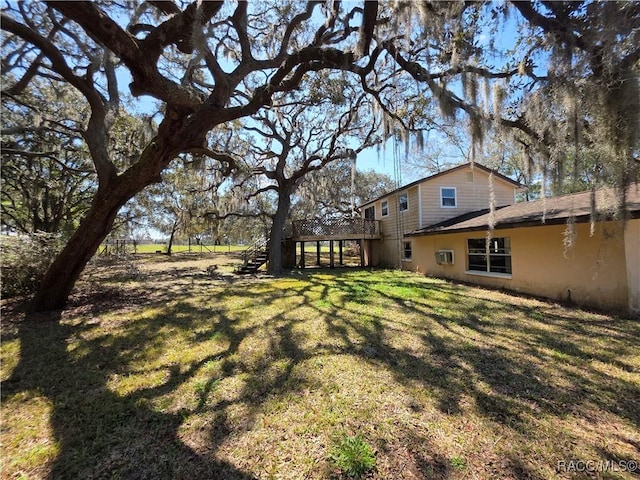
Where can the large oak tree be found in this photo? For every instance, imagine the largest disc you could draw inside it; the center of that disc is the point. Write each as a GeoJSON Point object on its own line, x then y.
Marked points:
{"type": "Point", "coordinates": [306, 134]}
{"type": "Point", "coordinates": [568, 77]}
{"type": "Point", "coordinates": [208, 63]}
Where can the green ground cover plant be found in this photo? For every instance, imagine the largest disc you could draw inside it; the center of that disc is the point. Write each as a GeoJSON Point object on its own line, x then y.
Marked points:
{"type": "Point", "coordinates": [353, 456]}
{"type": "Point", "coordinates": [184, 371]}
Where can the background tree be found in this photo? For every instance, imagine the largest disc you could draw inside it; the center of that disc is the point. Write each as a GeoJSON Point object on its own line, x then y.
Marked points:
{"type": "Point", "coordinates": [47, 179]}
{"type": "Point", "coordinates": [208, 64]}
{"type": "Point", "coordinates": [303, 135]}
{"type": "Point", "coordinates": [559, 78]}
{"type": "Point", "coordinates": [336, 189]}
{"type": "Point", "coordinates": [171, 209]}
{"type": "Point", "coordinates": [178, 206]}
{"type": "Point", "coordinates": [239, 216]}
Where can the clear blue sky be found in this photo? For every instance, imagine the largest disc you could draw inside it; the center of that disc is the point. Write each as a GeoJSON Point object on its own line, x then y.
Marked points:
{"type": "Point", "coordinates": [379, 160]}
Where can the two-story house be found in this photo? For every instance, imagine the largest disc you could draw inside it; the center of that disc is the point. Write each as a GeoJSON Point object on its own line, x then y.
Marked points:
{"type": "Point", "coordinates": [443, 226]}
{"type": "Point", "coordinates": [429, 201]}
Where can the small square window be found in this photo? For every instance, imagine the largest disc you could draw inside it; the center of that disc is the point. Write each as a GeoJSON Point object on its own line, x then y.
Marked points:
{"type": "Point", "coordinates": [385, 208]}
{"type": "Point", "coordinates": [403, 202]}
{"type": "Point", "coordinates": [406, 251]}
{"type": "Point", "coordinates": [448, 197]}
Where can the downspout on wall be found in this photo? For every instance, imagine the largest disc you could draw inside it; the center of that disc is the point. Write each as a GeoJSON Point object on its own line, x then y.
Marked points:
{"type": "Point", "coordinates": [420, 223]}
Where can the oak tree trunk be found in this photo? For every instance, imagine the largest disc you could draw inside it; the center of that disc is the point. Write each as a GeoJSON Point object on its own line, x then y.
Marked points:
{"type": "Point", "coordinates": [63, 273]}
{"type": "Point", "coordinates": [174, 229]}
{"type": "Point", "coordinates": [277, 233]}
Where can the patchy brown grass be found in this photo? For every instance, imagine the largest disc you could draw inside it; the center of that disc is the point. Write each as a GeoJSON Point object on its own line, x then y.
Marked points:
{"type": "Point", "coordinates": [166, 368]}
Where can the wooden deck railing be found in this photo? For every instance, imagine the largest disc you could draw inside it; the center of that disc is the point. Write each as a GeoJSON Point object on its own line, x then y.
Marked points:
{"type": "Point", "coordinates": [258, 247]}
{"type": "Point", "coordinates": [336, 227]}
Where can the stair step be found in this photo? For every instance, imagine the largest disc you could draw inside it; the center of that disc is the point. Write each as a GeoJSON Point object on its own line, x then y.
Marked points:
{"type": "Point", "coordinates": [258, 258]}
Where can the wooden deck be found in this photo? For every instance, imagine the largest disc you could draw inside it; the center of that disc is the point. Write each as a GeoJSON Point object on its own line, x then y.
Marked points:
{"type": "Point", "coordinates": [313, 230]}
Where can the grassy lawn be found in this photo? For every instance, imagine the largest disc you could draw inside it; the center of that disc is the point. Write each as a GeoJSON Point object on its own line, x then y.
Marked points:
{"type": "Point", "coordinates": [165, 369]}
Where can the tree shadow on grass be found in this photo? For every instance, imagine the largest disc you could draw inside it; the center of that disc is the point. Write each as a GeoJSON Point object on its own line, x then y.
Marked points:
{"type": "Point", "coordinates": [99, 433]}
{"type": "Point", "coordinates": [102, 434]}
{"type": "Point", "coordinates": [492, 351]}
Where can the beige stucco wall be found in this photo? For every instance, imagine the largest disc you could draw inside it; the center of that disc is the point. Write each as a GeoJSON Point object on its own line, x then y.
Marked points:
{"type": "Point", "coordinates": [592, 272]}
{"type": "Point", "coordinates": [632, 253]}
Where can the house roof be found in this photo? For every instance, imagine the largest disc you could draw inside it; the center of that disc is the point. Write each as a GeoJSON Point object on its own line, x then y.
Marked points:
{"type": "Point", "coordinates": [546, 211]}
{"type": "Point", "coordinates": [445, 172]}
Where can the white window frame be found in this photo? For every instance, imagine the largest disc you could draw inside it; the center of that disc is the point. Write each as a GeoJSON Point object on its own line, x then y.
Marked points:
{"type": "Point", "coordinates": [455, 197]}
{"type": "Point", "coordinates": [406, 195]}
{"type": "Point", "coordinates": [488, 253]}
{"type": "Point", "coordinates": [404, 251]}
{"type": "Point", "coordinates": [384, 206]}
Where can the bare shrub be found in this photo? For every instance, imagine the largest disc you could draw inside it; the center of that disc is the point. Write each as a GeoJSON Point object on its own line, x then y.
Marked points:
{"type": "Point", "coordinates": [25, 260]}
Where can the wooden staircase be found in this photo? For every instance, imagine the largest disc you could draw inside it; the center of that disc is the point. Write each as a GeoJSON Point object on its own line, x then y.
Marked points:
{"type": "Point", "coordinates": [253, 257]}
